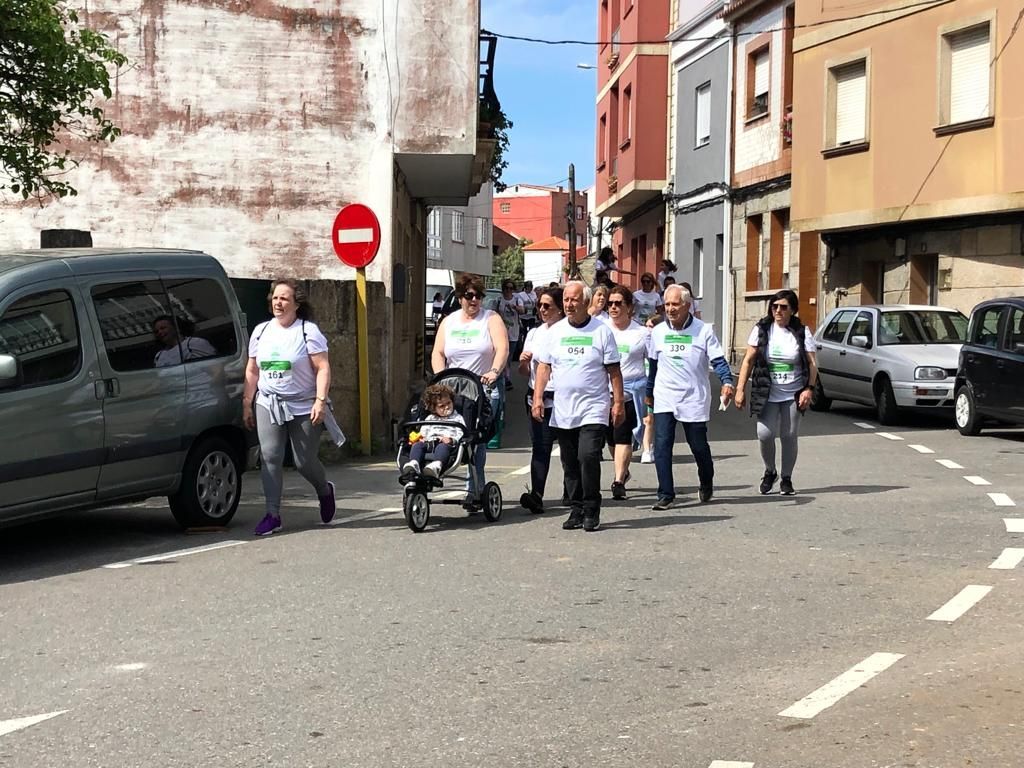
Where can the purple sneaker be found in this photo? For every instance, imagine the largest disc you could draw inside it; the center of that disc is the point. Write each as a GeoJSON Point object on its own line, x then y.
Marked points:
{"type": "Point", "coordinates": [327, 505]}
{"type": "Point", "coordinates": [268, 525]}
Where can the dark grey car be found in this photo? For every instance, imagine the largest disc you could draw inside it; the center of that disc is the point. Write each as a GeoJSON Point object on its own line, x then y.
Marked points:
{"type": "Point", "coordinates": [121, 376]}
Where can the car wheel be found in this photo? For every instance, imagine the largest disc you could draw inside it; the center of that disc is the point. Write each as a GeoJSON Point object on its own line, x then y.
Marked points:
{"type": "Point", "coordinates": [819, 400]}
{"type": "Point", "coordinates": [965, 410]}
{"type": "Point", "coordinates": [885, 402]}
{"type": "Point", "coordinates": [211, 485]}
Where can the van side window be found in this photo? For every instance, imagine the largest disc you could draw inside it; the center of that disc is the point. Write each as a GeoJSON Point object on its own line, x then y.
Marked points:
{"type": "Point", "coordinates": [204, 318]}
{"type": "Point", "coordinates": [836, 330]}
{"type": "Point", "coordinates": [1015, 332]}
{"type": "Point", "coordinates": [132, 316]}
{"type": "Point", "coordinates": [41, 330]}
{"type": "Point", "coordinates": [986, 330]}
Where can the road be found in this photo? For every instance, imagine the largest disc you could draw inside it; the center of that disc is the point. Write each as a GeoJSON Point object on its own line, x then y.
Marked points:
{"type": "Point", "coordinates": [751, 631]}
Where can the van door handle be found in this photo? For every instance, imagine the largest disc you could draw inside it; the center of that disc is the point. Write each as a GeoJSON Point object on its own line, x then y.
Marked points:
{"type": "Point", "coordinates": [99, 388]}
{"type": "Point", "coordinates": [842, 352]}
{"type": "Point", "coordinates": [113, 387]}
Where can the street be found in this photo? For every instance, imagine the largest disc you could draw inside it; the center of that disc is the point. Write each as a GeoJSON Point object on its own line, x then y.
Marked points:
{"type": "Point", "coordinates": [792, 632]}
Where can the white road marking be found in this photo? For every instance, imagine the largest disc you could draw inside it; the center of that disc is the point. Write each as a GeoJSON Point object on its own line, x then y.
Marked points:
{"type": "Point", "coordinates": [556, 451]}
{"type": "Point", "coordinates": [846, 683]}
{"type": "Point", "coordinates": [1008, 560]}
{"type": "Point", "coordinates": [1014, 524]}
{"type": "Point", "coordinates": [132, 667]}
{"type": "Point", "coordinates": [521, 471]}
{"type": "Point", "coordinates": [390, 509]}
{"type": "Point", "coordinates": [863, 425]}
{"type": "Point", "coordinates": [176, 554]}
{"type": "Point", "coordinates": [729, 764]}
{"type": "Point", "coordinates": [1002, 500]}
{"type": "Point", "coordinates": [888, 435]}
{"type": "Point", "coordinates": [10, 726]}
{"type": "Point", "coordinates": [921, 449]}
{"type": "Point", "coordinates": [966, 599]}
{"type": "Point", "coordinates": [949, 464]}
{"type": "Point", "coordinates": [355, 235]}
{"type": "Point", "coordinates": [451, 495]}
{"type": "Point", "coordinates": [975, 480]}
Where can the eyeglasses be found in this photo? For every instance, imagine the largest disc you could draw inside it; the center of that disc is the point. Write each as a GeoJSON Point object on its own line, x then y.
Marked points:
{"type": "Point", "coordinates": [781, 308]}
{"type": "Point", "coordinates": [546, 305]}
{"type": "Point", "coordinates": [615, 303]}
{"type": "Point", "coordinates": [471, 296]}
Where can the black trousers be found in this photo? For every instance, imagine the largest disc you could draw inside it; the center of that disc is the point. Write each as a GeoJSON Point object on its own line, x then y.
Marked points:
{"type": "Point", "coordinates": [581, 465]}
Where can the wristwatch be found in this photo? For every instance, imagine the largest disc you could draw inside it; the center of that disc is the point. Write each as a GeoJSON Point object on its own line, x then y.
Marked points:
{"type": "Point", "coordinates": [495, 371]}
{"type": "Point", "coordinates": [321, 399]}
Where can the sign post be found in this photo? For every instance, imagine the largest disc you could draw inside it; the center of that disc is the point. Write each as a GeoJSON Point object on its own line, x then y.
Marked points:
{"type": "Point", "coordinates": [355, 237]}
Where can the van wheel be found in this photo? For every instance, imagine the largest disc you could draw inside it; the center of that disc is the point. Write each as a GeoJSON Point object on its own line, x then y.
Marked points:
{"type": "Point", "coordinates": [885, 402]}
{"type": "Point", "coordinates": [211, 484]}
{"type": "Point", "coordinates": [965, 410]}
{"type": "Point", "coordinates": [819, 400]}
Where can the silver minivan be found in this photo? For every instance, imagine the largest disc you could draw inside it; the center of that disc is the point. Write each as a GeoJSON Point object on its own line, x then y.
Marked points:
{"type": "Point", "coordinates": [121, 378]}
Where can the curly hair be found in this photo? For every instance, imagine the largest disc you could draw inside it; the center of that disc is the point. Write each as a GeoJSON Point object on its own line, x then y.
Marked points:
{"type": "Point", "coordinates": [434, 394]}
{"type": "Point", "coordinates": [469, 282]}
{"type": "Point", "coordinates": [303, 309]}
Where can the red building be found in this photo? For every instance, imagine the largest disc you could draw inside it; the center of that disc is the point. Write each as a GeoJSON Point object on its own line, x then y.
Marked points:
{"type": "Point", "coordinates": [632, 127]}
{"type": "Point", "coordinates": [536, 213]}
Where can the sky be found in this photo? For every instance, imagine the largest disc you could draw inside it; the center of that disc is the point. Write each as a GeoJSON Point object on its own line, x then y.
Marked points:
{"type": "Point", "coordinates": [550, 101]}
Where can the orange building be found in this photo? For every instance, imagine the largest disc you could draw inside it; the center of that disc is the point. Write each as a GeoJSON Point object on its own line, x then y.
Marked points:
{"type": "Point", "coordinates": [535, 213]}
{"type": "Point", "coordinates": [909, 175]}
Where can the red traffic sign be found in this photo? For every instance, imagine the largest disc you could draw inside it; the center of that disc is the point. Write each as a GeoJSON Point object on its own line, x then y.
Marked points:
{"type": "Point", "coordinates": [356, 235]}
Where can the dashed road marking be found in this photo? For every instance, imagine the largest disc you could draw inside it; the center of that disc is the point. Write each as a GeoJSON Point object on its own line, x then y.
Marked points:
{"type": "Point", "coordinates": [729, 764]}
{"type": "Point", "coordinates": [1002, 500]}
{"type": "Point", "coordinates": [863, 425]}
{"type": "Point", "coordinates": [1014, 524]}
{"type": "Point", "coordinates": [175, 555]}
{"type": "Point", "coordinates": [921, 449]}
{"type": "Point", "coordinates": [949, 464]}
{"type": "Point", "coordinates": [521, 471]}
{"type": "Point", "coordinates": [134, 666]}
{"type": "Point", "coordinates": [975, 480]}
{"type": "Point", "coordinates": [846, 683]}
{"type": "Point", "coordinates": [888, 435]}
{"type": "Point", "coordinates": [1009, 559]}
{"type": "Point", "coordinates": [10, 726]}
{"type": "Point", "coordinates": [966, 599]}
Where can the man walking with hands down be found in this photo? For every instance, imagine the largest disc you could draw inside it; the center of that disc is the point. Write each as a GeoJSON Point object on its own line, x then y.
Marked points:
{"type": "Point", "coordinates": [680, 351]}
{"type": "Point", "coordinates": [580, 355]}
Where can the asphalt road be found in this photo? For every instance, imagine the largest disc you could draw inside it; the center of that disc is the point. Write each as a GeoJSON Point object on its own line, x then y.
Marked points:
{"type": "Point", "coordinates": [754, 631]}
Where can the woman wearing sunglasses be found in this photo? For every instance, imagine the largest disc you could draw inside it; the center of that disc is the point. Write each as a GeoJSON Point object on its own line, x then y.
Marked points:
{"type": "Point", "coordinates": [549, 308]}
{"type": "Point", "coordinates": [780, 363]}
{"type": "Point", "coordinates": [475, 339]}
{"type": "Point", "coordinates": [631, 338]}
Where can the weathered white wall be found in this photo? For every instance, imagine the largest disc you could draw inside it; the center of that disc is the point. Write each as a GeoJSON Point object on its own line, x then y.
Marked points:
{"type": "Point", "coordinates": [761, 142]}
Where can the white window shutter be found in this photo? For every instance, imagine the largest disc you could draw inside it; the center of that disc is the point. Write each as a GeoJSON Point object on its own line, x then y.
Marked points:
{"type": "Point", "coordinates": [786, 237]}
{"type": "Point", "coordinates": [761, 73]}
{"type": "Point", "coordinates": [851, 101]}
{"type": "Point", "coordinates": [703, 113]}
{"type": "Point", "coordinates": [969, 75]}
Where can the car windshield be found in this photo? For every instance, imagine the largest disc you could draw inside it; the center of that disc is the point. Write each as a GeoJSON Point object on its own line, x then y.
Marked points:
{"type": "Point", "coordinates": [921, 326]}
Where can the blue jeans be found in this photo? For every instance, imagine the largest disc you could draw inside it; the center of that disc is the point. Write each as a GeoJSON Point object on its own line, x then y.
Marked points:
{"type": "Point", "coordinates": [497, 393]}
{"type": "Point", "coordinates": [637, 389]}
{"type": "Point", "coordinates": [696, 437]}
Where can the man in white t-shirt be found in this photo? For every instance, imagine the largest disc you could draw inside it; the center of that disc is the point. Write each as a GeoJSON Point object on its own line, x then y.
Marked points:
{"type": "Point", "coordinates": [679, 353]}
{"type": "Point", "coordinates": [581, 353]}
{"type": "Point", "coordinates": [176, 349]}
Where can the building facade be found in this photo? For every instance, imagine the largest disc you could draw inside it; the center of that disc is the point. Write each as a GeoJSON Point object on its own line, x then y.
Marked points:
{"type": "Point", "coordinates": [460, 238]}
{"type": "Point", "coordinates": [247, 126]}
{"type": "Point", "coordinates": [534, 213]}
{"type": "Point", "coordinates": [910, 184]}
{"type": "Point", "coordinates": [632, 127]}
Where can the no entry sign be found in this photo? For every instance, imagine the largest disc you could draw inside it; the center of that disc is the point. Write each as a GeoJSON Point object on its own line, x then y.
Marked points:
{"type": "Point", "coordinates": [356, 235]}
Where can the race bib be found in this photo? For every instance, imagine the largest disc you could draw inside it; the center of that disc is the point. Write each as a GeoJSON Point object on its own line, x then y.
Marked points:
{"type": "Point", "coordinates": [676, 345]}
{"type": "Point", "coordinates": [782, 373]}
{"type": "Point", "coordinates": [277, 371]}
{"type": "Point", "coordinates": [465, 336]}
{"type": "Point", "coordinates": [573, 348]}
{"type": "Point", "coordinates": [623, 349]}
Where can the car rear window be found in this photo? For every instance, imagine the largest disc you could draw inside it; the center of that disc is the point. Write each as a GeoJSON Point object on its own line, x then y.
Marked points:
{"type": "Point", "coordinates": [919, 326]}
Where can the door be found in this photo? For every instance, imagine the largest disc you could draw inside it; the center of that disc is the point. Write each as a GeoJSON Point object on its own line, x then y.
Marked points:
{"type": "Point", "coordinates": [860, 362]}
{"type": "Point", "coordinates": [871, 282]}
{"type": "Point", "coordinates": [924, 276]}
{"type": "Point", "coordinates": [1009, 373]}
{"type": "Point", "coordinates": [143, 410]}
{"type": "Point", "coordinates": [52, 422]}
{"type": "Point", "coordinates": [832, 355]}
{"type": "Point", "coordinates": [979, 356]}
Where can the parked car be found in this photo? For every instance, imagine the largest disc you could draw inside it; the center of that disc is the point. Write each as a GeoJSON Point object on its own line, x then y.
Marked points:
{"type": "Point", "coordinates": [990, 377]}
{"type": "Point", "coordinates": [121, 378]}
{"type": "Point", "coordinates": [893, 357]}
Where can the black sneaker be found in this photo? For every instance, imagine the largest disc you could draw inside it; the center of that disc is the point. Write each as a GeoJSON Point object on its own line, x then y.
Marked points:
{"type": "Point", "coordinates": [618, 491]}
{"type": "Point", "coordinates": [767, 482]}
{"type": "Point", "coordinates": [786, 486]}
{"type": "Point", "coordinates": [591, 522]}
{"type": "Point", "coordinates": [574, 520]}
{"type": "Point", "coordinates": [706, 492]}
{"type": "Point", "coordinates": [532, 502]}
{"type": "Point", "coordinates": [663, 503]}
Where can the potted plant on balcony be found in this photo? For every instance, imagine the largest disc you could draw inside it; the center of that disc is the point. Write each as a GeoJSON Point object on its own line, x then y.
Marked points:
{"type": "Point", "coordinates": [787, 126]}
{"type": "Point", "coordinates": [613, 60]}
{"type": "Point", "coordinates": [494, 124]}
{"type": "Point", "coordinates": [613, 184]}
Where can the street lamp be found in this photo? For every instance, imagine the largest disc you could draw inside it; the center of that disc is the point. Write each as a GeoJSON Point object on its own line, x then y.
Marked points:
{"type": "Point", "coordinates": [581, 65]}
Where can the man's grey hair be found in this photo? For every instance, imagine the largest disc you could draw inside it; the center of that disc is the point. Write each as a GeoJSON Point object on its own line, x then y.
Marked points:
{"type": "Point", "coordinates": [587, 293]}
{"type": "Point", "coordinates": [684, 295]}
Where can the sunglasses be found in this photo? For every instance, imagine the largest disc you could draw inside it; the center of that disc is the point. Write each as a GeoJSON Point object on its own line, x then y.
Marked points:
{"type": "Point", "coordinates": [471, 296]}
{"type": "Point", "coordinates": [615, 303]}
{"type": "Point", "coordinates": [546, 305]}
{"type": "Point", "coordinates": [781, 307]}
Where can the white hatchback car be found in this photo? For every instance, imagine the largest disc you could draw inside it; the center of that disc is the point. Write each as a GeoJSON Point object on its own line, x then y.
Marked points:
{"type": "Point", "coordinates": [890, 356]}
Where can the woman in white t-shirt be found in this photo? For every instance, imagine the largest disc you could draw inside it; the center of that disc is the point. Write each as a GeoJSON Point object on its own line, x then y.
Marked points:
{"type": "Point", "coordinates": [780, 363]}
{"type": "Point", "coordinates": [646, 301]}
{"type": "Point", "coordinates": [668, 269]}
{"type": "Point", "coordinates": [287, 382]}
{"type": "Point", "coordinates": [631, 338]}
{"type": "Point", "coordinates": [694, 301]}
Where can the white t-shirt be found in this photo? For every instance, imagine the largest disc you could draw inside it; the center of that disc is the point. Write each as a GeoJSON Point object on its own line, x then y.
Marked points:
{"type": "Point", "coordinates": [645, 305]}
{"type": "Point", "coordinates": [510, 315]}
{"type": "Point", "coordinates": [661, 278]}
{"type": "Point", "coordinates": [694, 306]}
{"type": "Point", "coordinates": [436, 431]}
{"type": "Point", "coordinates": [189, 348]}
{"type": "Point", "coordinates": [784, 361]}
{"type": "Point", "coordinates": [534, 340]}
{"type": "Point", "coordinates": [467, 343]}
{"type": "Point", "coordinates": [528, 301]}
{"type": "Point", "coordinates": [283, 359]}
{"type": "Point", "coordinates": [632, 344]}
{"type": "Point", "coordinates": [682, 386]}
{"type": "Point", "coordinates": [578, 357]}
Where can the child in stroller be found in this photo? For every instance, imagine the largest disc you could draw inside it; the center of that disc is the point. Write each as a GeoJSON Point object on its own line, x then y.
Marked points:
{"type": "Point", "coordinates": [438, 402]}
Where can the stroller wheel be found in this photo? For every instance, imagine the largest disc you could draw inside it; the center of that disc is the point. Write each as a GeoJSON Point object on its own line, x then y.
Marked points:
{"type": "Point", "coordinates": [491, 502]}
{"type": "Point", "coordinates": [417, 510]}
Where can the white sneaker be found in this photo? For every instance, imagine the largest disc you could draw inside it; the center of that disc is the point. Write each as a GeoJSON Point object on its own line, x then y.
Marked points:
{"type": "Point", "coordinates": [647, 457]}
{"type": "Point", "coordinates": [411, 466]}
{"type": "Point", "coordinates": [433, 469]}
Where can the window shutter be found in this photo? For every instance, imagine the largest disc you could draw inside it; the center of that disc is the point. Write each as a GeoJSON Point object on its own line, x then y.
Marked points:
{"type": "Point", "coordinates": [703, 113]}
{"type": "Point", "coordinates": [761, 73]}
{"type": "Point", "coordinates": [968, 75]}
{"type": "Point", "coordinates": [851, 98]}
{"type": "Point", "coordinates": [786, 237]}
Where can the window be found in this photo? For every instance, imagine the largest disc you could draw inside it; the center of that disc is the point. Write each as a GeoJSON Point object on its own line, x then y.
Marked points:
{"type": "Point", "coordinates": [922, 327]}
{"type": "Point", "coordinates": [758, 81]}
{"type": "Point", "coordinates": [847, 105]}
{"type": "Point", "coordinates": [506, 207]}
{"type": "Point", "coordinates": [458, 221]}
{"type": "Point", "coordinates": [966, 85]}
{"type": "Point", "coordinates": [698, 266]}
{"type": "Point", "coordinates": [986, 328]}
{"type": "Point", "coordinates": [434, 235]}
{"type": "Point", "coordinates": [206, 326]}
{"type": "Point", "coordinates": [602, 141]}
{"type": "Point", "coordinates": [615, 41]}
{"type": "Point", "coordinates": [862, 327]}
{"type": "Point", "coordinates": [579, 213]}
{"type": "Point", "coordinates": [836, 329]}
{"type": "Point", "coordinates": [703, 113]}
{"type": "Point", "coordinates": [132, 319]}
{"type": "Point", "coordinates": [1015, 332]}
{"type": "Point", "coordinates": [482, 227]}
{"type": "Point", "coordinates": [757, 280]}
{"type": "Point", "coordinates": [42, 332]}
{"type": "Point", "coordinates": [627, 115]}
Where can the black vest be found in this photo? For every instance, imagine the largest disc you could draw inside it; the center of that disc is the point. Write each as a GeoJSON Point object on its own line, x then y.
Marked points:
{"type": "Point", "coordinates": [761, 376]}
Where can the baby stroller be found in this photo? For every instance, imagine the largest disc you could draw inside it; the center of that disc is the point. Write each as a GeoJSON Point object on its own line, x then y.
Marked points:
{"type": "Point", "coordinates": [474, 405]}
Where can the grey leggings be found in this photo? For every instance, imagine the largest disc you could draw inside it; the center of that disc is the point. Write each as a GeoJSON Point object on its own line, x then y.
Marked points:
{"type": "Point", "coordinates": [305, 438]}
{"type": "Point", "coordinates": [779, 420]}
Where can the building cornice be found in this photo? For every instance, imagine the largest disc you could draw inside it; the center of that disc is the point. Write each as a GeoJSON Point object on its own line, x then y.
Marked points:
{"type": "Point", "coordinates": [643, 49]}
{"type": "Point", "coordinates": [943, 209]}
{"type": "Point", "coordinates": [827, 31]}
{"type": "Point", "coordinates": [709, 13]}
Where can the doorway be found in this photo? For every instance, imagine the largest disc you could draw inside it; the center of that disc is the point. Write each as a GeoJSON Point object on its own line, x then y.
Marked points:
{"type": "Point", "coordinates": [924, 279]}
